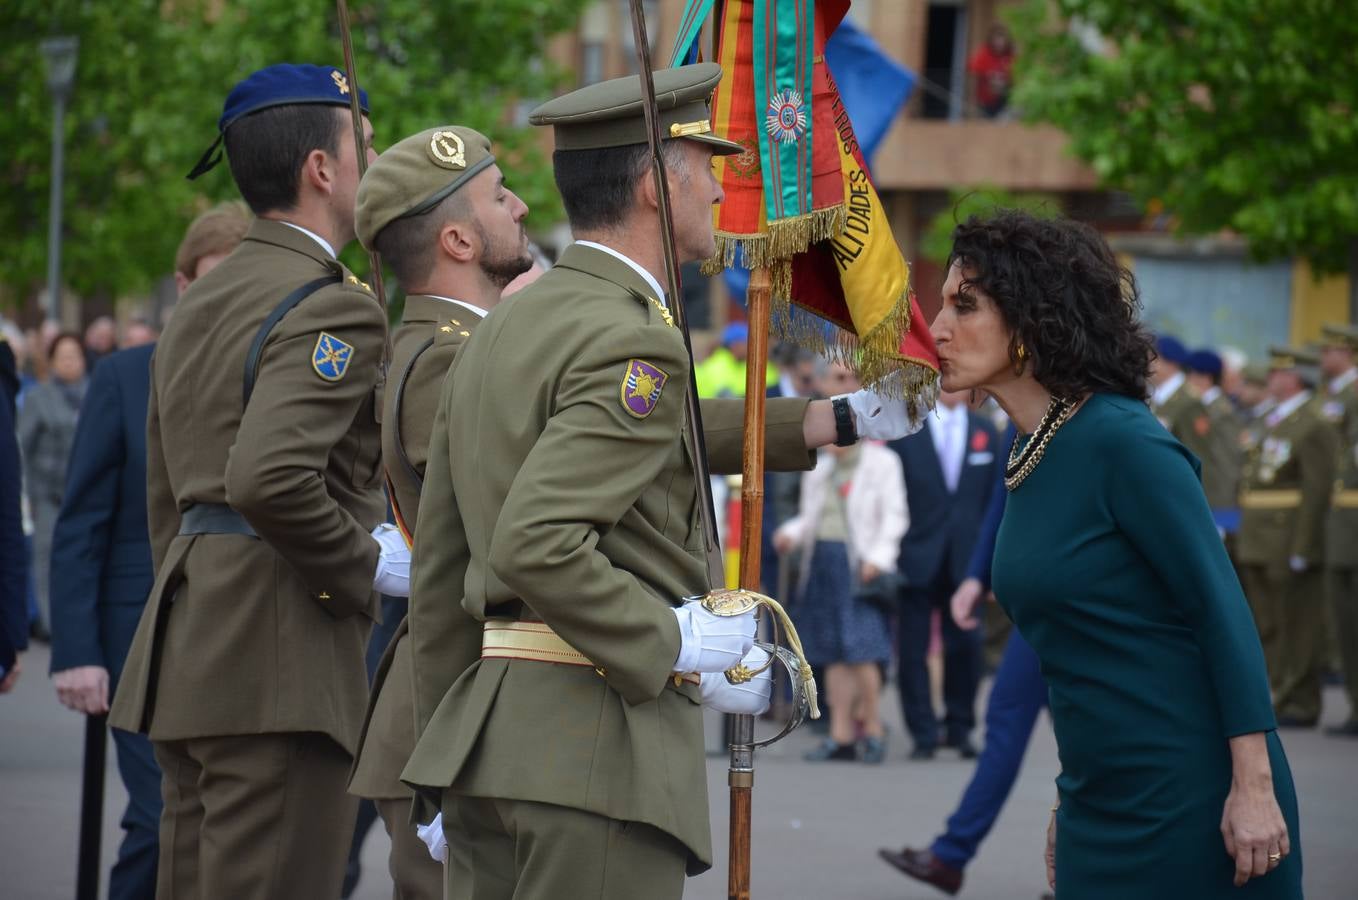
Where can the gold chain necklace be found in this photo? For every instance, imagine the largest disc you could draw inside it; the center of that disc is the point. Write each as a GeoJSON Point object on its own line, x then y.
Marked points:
{"type": "Point", "coordinates": [1023, 460]}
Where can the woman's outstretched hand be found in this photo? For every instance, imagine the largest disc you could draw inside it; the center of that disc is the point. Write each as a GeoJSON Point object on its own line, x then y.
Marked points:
{"type": "Point", "coordinates": [1252, 825]}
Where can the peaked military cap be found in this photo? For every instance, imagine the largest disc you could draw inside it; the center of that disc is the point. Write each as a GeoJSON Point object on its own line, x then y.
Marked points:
{"type": "Point", "coordinates": [1340, 335]}
{"type": "Point", "coordinates": [612, 113]}
{"type": "Point", "coordinates": [415, 174]}
{"type": "Point", "coordinates": [284, 84]}
{"type": "Point", "coordinates": [1301, 360]}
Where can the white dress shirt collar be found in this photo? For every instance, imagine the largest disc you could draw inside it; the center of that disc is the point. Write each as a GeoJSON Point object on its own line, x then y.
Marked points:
{"type": "Point", "coordinates": [650, 279]}
{"type": "Point", "coordinates": [1210, 395]}
{"type": "Point", "coordinates": [1166, 390]}
{"type": "Point", "coordinates": [325, 245]}
{"type": "Point", "coordinates": [476, 310]}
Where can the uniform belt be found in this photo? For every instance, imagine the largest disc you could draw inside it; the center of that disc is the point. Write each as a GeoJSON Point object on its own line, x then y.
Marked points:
{"type": "Point", "coordinates": [213, 518]}
{"type": "Point", "coordinates": [1270, 500]}
{"type": "Point", "coordinates": [1346, 498]}
{"type": "Point", "coordinates": [536, 641]}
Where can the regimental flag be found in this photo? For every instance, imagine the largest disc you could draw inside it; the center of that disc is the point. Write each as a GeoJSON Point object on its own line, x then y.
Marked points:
{"type": "Point", "coordinates": [799, 200]}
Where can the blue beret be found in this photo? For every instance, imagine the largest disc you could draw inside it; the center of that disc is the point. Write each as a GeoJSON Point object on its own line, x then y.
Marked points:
{"type": "Point", "coordinates": [285, 84]}
{"type": "Point", "coordinates": [734, 333]}
{"type": "Point", "coordinates": [1171, 350]}
{"type": "Point", "coordinates": [1206, 362]}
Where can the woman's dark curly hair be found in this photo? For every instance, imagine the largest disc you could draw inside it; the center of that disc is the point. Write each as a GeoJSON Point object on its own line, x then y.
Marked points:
{"type": "Point", "coordinates": [1065, 299]}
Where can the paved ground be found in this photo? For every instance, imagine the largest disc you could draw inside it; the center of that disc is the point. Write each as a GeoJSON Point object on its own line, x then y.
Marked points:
{"type": "Point", "coordinates": [817, 826]}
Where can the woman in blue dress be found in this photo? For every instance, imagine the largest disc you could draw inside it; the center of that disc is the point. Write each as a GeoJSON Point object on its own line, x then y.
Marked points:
{"type": "Point", "coordinates": [1173, 781]}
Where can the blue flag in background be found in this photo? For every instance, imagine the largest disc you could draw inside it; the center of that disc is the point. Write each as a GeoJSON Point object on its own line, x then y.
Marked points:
{"type": "Point", "coordinates": [873, 87]}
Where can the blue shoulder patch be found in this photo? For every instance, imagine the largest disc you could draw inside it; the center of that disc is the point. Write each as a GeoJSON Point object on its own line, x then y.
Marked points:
{"type": "Point", "coordinates": [331, 357]}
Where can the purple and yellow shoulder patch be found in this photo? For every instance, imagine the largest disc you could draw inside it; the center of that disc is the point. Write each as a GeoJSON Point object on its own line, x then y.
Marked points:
{"type": "Point", "coordinates": [641, 387]}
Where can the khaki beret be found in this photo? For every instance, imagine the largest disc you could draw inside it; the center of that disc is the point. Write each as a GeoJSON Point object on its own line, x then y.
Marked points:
{"type": "Point", "coordinates": [415, 174]}
{"type": "Point", "coordinates": [612, 113]}
{"type": "Point", "coordinates": [1339, 336]}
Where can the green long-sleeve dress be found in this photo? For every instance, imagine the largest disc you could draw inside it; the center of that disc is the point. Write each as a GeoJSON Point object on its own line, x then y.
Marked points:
{"type": "Point", "coordinates": [1109, 564]}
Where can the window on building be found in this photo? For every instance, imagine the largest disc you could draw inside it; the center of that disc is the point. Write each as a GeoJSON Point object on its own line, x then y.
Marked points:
{"type": "Point", "coordinates": [945, 61]}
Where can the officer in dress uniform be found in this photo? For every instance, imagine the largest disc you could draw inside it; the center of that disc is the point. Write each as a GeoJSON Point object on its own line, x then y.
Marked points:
{"type": "Point", "coordinates": [264, 506]}
{"type": "Point", "coordinates": [559, 674]}
{"type": "Point", "coordinates": [1285, 498]}
{"type": "Point", "coordinates": [435, 206]}
{"type": "Point", "coordinates": [1339, 405]}
{"type": "Point", "coordinates": [1221, 430]}
{"type": "Point", "coordinates": [1173, 401]}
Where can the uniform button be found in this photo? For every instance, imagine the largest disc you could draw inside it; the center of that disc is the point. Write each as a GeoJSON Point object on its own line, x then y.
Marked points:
{"type": "Point", "coordinates": [324, 595]}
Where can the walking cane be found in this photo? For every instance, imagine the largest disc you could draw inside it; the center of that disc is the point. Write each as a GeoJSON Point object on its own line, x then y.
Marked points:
{"type": "Point", "coordinates": [91, 808]}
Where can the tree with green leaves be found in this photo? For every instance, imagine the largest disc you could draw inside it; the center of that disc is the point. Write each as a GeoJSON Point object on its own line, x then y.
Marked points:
{"type": "Point", "coordinates": [151, 80]}
{"type": "Point", "coordinates": [1233, 114]}
{"type": "Point", "coordinates": [936, 242]}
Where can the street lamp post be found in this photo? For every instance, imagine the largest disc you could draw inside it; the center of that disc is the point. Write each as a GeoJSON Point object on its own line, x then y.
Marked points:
{"type": "Point", "coordinates": [59, 53]}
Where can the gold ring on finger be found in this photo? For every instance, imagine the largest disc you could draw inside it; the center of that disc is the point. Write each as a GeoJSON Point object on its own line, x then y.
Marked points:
{"type": "Point", "coordinates": [1274, 857]}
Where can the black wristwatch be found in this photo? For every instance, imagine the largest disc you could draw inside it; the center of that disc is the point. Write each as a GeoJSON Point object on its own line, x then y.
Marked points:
{"type": "Point", "coordinates": [845, 433]}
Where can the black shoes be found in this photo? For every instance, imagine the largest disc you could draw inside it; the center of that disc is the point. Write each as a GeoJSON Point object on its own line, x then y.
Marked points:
{"type": "Point", "coordinates": [922, 865]}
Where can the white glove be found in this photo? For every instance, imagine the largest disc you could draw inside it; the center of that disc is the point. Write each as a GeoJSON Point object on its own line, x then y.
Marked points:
{"type": "Point", "coordinates": [393, 565]}
{"type": "Point", "coordinates": [749, 699]}
{"type": "Point", "coordinates": [711, 643]}
{"type": "Point", "coordinates": [878, 417]}
{"type": "Point", "coordinates": [432, 835]}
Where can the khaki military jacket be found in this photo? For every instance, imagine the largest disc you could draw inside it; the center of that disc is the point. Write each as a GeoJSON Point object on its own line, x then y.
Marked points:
{"type": "Point", "coordinates": [559, 488]}
{"type": "Point", "coordinates": [1224, 460]}
{"type": "Point", "coordinates": [242, 634]}
{"type": "Point", "coordinates": [1285, 494]}
{"type": "Point", "coordinates": [1184, 416]}
{"type": "Point", "coordinates": [432, 330]}
{"type": "Point", "coordinates": [1341, 530]}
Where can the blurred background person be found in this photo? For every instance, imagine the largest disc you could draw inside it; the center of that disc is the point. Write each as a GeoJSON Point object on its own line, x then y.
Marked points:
{"type": "Point", "coordinates": [993, 67]}
{"type": "Point", "coordinates": [101, 571]}
{"type": "Point", "coordinates": [13, 549]}
{"type": "Point", "coordinates": [848, 528]}
{"type": "Point", "coordinates": [1016, 697]}
{"type": "Point", "coordinates": [47, 422]}
{"type": "Point", "coordinates": [950, 471]}
{"type": "Point", "coordinates": [1339, 405]}
{"type": "Point", "coordinates": [101, 339]}
{"type": "Point", "coordinates": [138, 332]}
{"type": "Point", "coordinates": [1220, 432]}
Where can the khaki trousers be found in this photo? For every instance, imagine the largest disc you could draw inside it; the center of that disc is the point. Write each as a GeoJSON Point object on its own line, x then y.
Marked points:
{"type": "Point", "coordinates": [414, 873]}
{"type": "Point", "coordinates": [1289, 609]}
{"type": "Point", "coordinates": [254, 816]}
{"type": "Point", "coordinates": [519, 850]}
{"type": "Point", "coordinates": [1342, 591]}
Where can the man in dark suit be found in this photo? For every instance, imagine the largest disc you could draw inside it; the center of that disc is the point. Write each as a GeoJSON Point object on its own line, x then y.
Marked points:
{"type": "Point", "coordinates": [950, 470]}
{"type": "Point", "coordinates": [101, 556]}
{"type": "Point", "coordinates": [13, 554]}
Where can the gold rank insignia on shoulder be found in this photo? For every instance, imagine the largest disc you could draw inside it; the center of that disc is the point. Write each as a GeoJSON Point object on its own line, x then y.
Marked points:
{"type": "Point", "coordinates": [664, 313]}
{"type": "Point", "coordinates": [353, 279]}
{"type": "Point", "coordinates": [331, 357]}
{"type": "Point", "coordinates": [446, 329]}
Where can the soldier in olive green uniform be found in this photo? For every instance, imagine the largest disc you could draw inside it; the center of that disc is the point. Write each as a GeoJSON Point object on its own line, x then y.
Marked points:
{"type": "Point", "coordinates": [436, 208]}
{"type": "Point", "coordinates": [264, 483]}
{"type": "Point", "coordinates": [1221, 467]}
{"type": "Point", "coordinates": [1339, 405]}
{"type": "Point", "coordinates": [556, 664]}
{"type": "Point", "coordinates": [1175, 404]}
{"type": "Point", "coordinates": [1284, 502]}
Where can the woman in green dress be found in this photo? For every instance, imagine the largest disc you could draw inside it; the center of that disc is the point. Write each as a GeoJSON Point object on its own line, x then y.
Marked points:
{"type": "Point", "coordinates": [1173, 782]}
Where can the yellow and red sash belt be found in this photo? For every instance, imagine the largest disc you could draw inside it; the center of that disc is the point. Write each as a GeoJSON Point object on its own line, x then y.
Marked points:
{"type": "Point", "coordinates": [536, 641]}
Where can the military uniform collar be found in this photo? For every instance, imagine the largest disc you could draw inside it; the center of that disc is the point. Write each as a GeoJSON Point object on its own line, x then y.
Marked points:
{"type": "Point", "coordinates": [436, 308]}
{"type": "Point", "coordinates": [1339, 382]}
{"type": "Point", "coordinates": [1165, 392]}
{"type": "Point", "coordinates": [1285, 409]}
{"type": "Point", "coordinates": [609, 264]}
{"type": "Point", "coordinates": [291, 237]}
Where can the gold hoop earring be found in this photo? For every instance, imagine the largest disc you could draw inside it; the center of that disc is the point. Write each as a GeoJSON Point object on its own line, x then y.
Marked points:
{"type": "Point", "coordinates": [1022, 364]}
